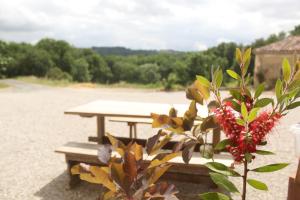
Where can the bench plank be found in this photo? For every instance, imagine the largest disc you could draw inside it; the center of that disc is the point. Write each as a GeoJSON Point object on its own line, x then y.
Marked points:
{"type": "Point", "coordinates": [195, 172]}
{"type": "Point", "coordinates": [88, 149]}
{"type": "Point", "coordinates": [142, 142]}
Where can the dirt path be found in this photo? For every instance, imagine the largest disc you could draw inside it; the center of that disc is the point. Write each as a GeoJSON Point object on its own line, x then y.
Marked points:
{"type": "Point", "coordinates": [21, 86]}
{"type": "Point", "coordinates": [32, 125]}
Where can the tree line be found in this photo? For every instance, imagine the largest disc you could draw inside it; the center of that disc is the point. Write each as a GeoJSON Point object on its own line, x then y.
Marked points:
{"type": "Point", "coordinates": [57, 59]}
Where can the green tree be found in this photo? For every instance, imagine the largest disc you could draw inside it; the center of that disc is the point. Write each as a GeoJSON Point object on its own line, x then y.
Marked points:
{"type": "Point", "coordinates": [296, 30]}
{"type": "Point", "coordinates": [80, 70]}
{"type": "Point", "coordinates": [180, 69]}
{"type": "Point", "coordinates": [35, 62]}
{"type": "Point", "coordinates": [149, 73]}
{"type": "Point", "coordinates": [202, 63]}
{"type": "Point", "coordinates": [56, 73]}
{"type": "Point", "coordinates": [60, 51]}
{"type": "Point", "coordinates": [99, 70]}
{"type": "Point", "coordinates": [125, 71]}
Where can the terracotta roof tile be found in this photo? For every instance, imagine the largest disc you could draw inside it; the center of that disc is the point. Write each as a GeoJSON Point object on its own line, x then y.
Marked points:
{"type": "Point", "coordinates": [290, 44]}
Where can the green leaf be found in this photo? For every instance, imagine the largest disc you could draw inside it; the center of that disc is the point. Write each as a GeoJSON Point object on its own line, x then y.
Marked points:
{"type": "Point", "coordinates": [240, 121]}
{"type": "Point", "coordinates": [218, 78]}
{"type": "Point", "coordinates": [213, 196]}
{"type": "Point", "coordinates": [203, 81]}
{"type": "Point", "coordinates": [236, 94]}
{"type": "Point", "coordinates": [286, 70]}
{"type": "Point", "coordinates": [233, 74]}
{"type": "Point", "coordinates": [278, 88]}
{"type": "Point", "coordinates": [222, 144]}
{"type": "Point", "coordinates": [252, 114]}
{"type": "Point", "coordinates": [257, 184]}
{"type": "Point", "coordinates": [238, 55]}
{"type": "Point", "coordinates": [244, 111]}
{"type": "Point", "coordinates": [260, 103]}
{"type": "Point", "coordinates": [223, 182]}
{"type": "Point", "coordinates": [221, 168]}
{"type": "Point", "coordinates": [259, 90]}
{"type": "Point", "coordinates": [247, 55]}
{"type": "Point", "coordinates": [283, 98]}
{"type": "Point", "coordinates": [246, 60]}
{"type": "Point", "coordinates": [235, 105]}
{"type": "Point", "coordinates": [293, 105]}
{"type": "Point", "coordinates": [263, 143]}
{"type": "Point", "coordinates": [263, 152]}
{"type": "Point", "coordinates": [270, 168]}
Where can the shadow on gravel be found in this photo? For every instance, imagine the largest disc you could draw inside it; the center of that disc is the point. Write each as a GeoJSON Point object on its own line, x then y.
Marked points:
{"type": "Point", "coordinates": [58, 189]}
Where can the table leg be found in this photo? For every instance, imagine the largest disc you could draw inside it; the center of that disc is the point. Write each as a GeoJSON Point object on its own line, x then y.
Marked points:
{"type": "Point", "coordinates": [100, 128]}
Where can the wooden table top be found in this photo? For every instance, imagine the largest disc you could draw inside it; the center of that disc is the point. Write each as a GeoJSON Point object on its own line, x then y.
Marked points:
{"type": "Point", "coordinates": [129, 109]}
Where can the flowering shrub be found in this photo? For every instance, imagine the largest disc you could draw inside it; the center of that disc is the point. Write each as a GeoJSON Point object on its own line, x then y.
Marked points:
{"type": "Point", "coordinates": [245, 118]}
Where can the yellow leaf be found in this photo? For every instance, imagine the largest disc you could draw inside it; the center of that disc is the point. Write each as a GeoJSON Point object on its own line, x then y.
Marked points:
{"type": "Point", "coordinates": [204, 91]}
{"type": "Point", "coordinates": [157, 173]}
{"type": "Point", "coordinates": [159, 120]}
{"type": "Point", "coordinates": [238, 55]}
{"type": "Point", "coordinates": [101, 176]}
{"type": "Point", "coordinates": [117, 173]}
{"type": "Point", "coordinates": [193, 94]}
{"type": "Point", "coordinates": [75, 169]}
{"type": "Point", "coordinates": [120, 151]}
{"type": "Point", "coordinates": [137, 151]}
{"type": "Point", "coordinates": [114, 141]}
{"type": "Point", "coordinates": [108, 195]}
{"type": "Point", "coordinates": [163, 121]}
{"type": "Point", "coordinates": [157, 162]}
{"type": "Point", "coordinates": [161, 143]}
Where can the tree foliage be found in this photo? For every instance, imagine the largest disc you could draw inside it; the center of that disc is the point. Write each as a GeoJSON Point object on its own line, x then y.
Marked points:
{"type": "Point", "coordinates": [111, 65]}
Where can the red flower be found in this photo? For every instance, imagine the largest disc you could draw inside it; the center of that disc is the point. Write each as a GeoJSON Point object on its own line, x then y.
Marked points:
{"type": "Point", "coordinates": [243, 142]}
{"type": "Point", "coordinates": [263, 125]}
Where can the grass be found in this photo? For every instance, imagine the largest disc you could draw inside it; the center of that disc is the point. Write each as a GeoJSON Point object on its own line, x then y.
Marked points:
{"type": "Point", "coordinates": [44, 81]}
{"type": "Point", "coordinates": [3, 85]}
{"type": "Point", "coordinates": [64, 83]}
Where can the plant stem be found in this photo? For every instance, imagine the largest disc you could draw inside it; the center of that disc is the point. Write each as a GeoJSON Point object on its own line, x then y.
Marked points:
{"type": "Point", "coordinates": [245, 180]}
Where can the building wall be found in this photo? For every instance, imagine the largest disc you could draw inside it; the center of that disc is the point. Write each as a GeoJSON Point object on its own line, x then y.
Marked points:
{"type": "Point", "coordinates": [268, 67]}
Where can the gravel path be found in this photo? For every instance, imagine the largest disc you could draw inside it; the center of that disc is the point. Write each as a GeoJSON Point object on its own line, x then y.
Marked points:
{"type": "Point", "coordinates": [32, 125]}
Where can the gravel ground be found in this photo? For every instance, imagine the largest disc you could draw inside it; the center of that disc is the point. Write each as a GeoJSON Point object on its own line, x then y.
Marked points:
{"type": "Point", "coordinates": [32, 125]}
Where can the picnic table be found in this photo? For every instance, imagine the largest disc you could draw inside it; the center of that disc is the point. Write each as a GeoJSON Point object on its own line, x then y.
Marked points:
{"type": "Point", "coordinates": [77, 152]}
{"type": "Point", "coordinates": [130, 109]}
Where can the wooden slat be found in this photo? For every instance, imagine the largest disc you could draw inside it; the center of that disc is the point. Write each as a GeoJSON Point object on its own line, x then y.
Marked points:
{"type": "Point", "coordinates": [85, 150]}
{"type": "Point", "coordinates": [131, 119]}
{"type": "Point", "coordinates": [142, 142]}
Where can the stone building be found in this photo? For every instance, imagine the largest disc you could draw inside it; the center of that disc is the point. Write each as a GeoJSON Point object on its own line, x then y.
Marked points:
{"type": "Point", "coordinates": [268, 59]}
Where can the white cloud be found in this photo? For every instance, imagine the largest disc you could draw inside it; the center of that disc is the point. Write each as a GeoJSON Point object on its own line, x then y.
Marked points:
{"type": "Point", "coordinates": [200, 46]}
{"type": "Point", "coordinates": [150, 24]}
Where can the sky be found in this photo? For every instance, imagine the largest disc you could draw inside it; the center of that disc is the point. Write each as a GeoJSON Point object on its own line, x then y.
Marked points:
{"type": "Point", "coordinates": [185, 25]}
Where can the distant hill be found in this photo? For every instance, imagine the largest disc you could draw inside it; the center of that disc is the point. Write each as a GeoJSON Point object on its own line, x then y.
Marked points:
{"type": "Point", "coordinates": [122, 51]}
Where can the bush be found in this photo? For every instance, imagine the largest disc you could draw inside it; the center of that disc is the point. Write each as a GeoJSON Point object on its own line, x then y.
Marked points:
{"type": "Point", "coordinates": [170, 81]}
{"type": "Point", "coordinates": [149, 73]}
{"type": "Point", "coordinates": [80, 70]}
{"type": "Point", "coordinates": [57, 74]}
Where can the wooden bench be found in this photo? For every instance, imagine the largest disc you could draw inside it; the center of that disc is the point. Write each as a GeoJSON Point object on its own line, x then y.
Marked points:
{"type": "Point", "coordinates": [195, 171]}
{"type": "Point", "coordinates": [132, 123]}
